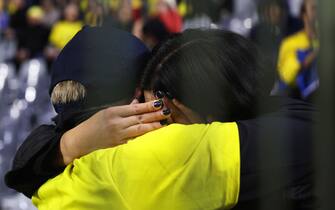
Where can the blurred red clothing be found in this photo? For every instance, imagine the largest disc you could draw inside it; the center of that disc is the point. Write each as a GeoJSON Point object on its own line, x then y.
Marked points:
{"type": "Point", "coordinates": [172, 20]}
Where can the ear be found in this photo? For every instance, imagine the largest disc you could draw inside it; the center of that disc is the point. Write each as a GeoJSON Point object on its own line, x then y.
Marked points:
{"type": "Point", "coordinates": [192, 116]}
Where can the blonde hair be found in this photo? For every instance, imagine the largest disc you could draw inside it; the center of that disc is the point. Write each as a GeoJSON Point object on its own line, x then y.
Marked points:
{"type": "Point", "coordinates": [67, 92]}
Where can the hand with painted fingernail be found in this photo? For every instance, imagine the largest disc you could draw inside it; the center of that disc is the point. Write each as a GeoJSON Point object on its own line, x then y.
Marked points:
{"type": "Point", "coordinates": [111, 127]}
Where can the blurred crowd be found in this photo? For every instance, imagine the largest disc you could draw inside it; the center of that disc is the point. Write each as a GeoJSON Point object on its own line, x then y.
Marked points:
{"type": "Point", "coordinates": [33, 32]}
{"type": "Point", "coordinates": [41, 28]}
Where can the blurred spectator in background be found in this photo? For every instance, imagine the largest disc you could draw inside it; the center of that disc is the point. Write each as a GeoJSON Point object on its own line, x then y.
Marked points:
{"type": "Point", "coordinates": [270, 30]}
{"type": "Point", "coordinates": [137, 8]}
{"type": "Point", "coordinates": [168, 14]}
{"type": "Point", "coordinates": [33, 38]}
{"type": "Point", "coordinates": [18, 12]}
{"type": "Point", "coordinates": [297, 57]}
{"type": "Point", "coordinates": [63, 31]}
{"type": "Point", "coordinates": [154, 32]}
{"type": "Point", "coordinates": [7, 45]}
{"type": "Point", "coordinates": [94, 13]}
{"type": "Point", "coordinates": [4, 18]}
{"type": "Point", "coordinates": [124, 15]}
{"type": "Point", "coordinates": [51, 13]}
{"type": "Point", "coordinates": [119, 14]}
{"type": "Point", "coordinates": [162, 20]}
{"type": "Point", "coordinates": [7, 42]}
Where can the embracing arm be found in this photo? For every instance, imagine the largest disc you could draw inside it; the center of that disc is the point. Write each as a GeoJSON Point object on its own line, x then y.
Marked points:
{"type": "Point", "coordinates": [176, 167]}
{"type": "Point", "coordinates": [46, 152]}
{"type": "Point", "coordinates": [30, 167]}
{"type": "Point", "coordinates": [111, 127]}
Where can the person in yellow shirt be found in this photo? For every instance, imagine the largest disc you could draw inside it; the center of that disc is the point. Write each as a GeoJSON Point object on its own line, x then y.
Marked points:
{"type": "Point", "coordinates": [63, 31]}
{"type": "Point", "coordinates": [297, 57]}
{"type": "Point", "coordinates": [201, 173]}
{"type": "Point", "coordinates": [196, 166]}
{"type": "Point", "coordinates": [177, 167]}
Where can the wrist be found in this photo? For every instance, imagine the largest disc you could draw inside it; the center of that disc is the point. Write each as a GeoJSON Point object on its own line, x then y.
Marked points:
{"type": "Point", "coordinates": [77, 142]}
{"type": "Point", "coordinates": [67, 151]}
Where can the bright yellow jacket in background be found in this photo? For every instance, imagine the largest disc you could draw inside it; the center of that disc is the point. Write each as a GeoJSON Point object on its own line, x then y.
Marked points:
{"type": "Point", "coordinates": [62, 32]}
{"type": "Point", "coordinates": [179, 167]}
{"type": "Point", "coordinates": [288, 62]}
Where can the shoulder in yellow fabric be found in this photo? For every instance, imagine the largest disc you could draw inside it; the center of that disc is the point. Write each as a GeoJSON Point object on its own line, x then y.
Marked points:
{"type": "Point", "coordinates": [179, 167]}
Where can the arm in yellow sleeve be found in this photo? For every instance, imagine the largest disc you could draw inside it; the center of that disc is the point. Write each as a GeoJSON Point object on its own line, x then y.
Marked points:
{"type": "Point", "coordinates": [177, 167]}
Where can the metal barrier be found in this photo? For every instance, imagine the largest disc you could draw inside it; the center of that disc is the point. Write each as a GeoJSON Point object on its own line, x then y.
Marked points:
{"type": "Point", "coordinates": [325, 136]}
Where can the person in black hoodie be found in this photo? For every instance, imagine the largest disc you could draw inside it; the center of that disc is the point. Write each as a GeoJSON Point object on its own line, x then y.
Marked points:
{"type": "Point", "coordinates": [283, 129]}
{"type": "Point", "coordinates": [96, 68]}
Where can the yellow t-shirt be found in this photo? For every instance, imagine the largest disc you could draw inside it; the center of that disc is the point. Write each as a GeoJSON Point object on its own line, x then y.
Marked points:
{"type": "Point", "coordinates": [288, 62]}
{"type": "Point", "coordinates": [62, 32]}
{"type": "Point", "coordinates": [179, 167]}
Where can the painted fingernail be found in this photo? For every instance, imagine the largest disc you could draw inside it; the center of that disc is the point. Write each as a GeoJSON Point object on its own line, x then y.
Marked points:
{"type": "Point", "coordinates": [164, 122]}
{"type": "Point", "coordinates": [166, 112]}
{"type": "Point", "coordinates": [159, 94]}
{"type": "Point", "coordinates": [158, 103]}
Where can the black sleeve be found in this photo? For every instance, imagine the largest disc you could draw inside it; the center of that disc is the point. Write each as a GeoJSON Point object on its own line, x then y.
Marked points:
{"type": "Point", "coordinates": [33, 162]}
{"type": "Point", "coordinates": [276, 153]}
